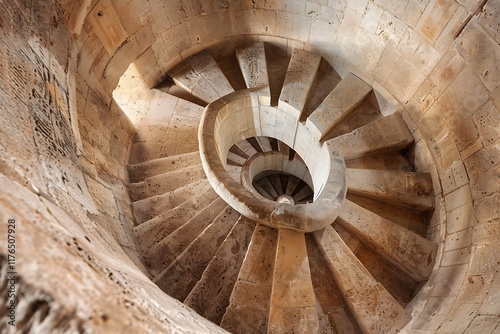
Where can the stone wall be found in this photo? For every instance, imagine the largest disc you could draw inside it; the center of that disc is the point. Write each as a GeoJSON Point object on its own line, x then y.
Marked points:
{"type": "Point", "coordinates": [63, 137]}
{"type": "Point", "coordinates": [64, 150]}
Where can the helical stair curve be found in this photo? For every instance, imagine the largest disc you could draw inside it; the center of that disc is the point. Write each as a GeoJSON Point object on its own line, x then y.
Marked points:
{"type": "Point", "coordinates": [296, 211]}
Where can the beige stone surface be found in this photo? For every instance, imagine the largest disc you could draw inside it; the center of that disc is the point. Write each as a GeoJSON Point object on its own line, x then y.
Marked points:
{"type": "Point", "coordinates": [64, 136]}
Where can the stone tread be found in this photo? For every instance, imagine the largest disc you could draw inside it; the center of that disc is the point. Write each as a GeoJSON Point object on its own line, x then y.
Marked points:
{"type": "Point", "coordinates": [333, 313]}
{"type": "Point", "coordinates": [141, 171]}
{"type": "Point", "coordinates": [408, 251]}
{"type": "Point", "coordinates": [266, 184]}
{"type": "Point", "coordinates": [344, 98]}
{"type": "Point", "coordinates": [262, 192]}
{"type": "Point", "coordinates": [166, 182]}
{"type": "Point", "coordinates": [210, 297]}
{"type": "Point", "coordinates": [253, 65]}
{"type": "Point", "coordinates": [292, 183]}
{"type": "Point", "coordinates": [410, 189]}
{"type": "Point", "coordinates": [374, 309]}
{"type": "Point", "coordinates": [299, 78]}
{"type": "Point", "coordinates": [150, 207]}
{"type": "Point", "coordinates": [179, 278]}
{"type": "Point", "coordinates": [246, 147]}
{"type": "Point", "coordinates": [201, 76]}
{"type": "Point", "coordinates": [276, 183]}
{"type": "Point", "coordinates": [293, 307]}
{"type": "Point", "coordinates": [235, 158]}
{"type": "Point", "coordinates": [252, 292]}
{"type": "Point", "coordinates": [161, 254]}
{"type": "Point", "coordinates": [384, 135]}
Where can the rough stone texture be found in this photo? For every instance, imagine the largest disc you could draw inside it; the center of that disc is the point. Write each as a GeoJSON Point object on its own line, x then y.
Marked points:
{"type": "Point", "coordinates": [61, 131]}
{"type": "Point", "coordinates": [344, 98]}
{"type": "Point", "coordinates": [408, 251]}
{"type": "Point", "coordinates": [292, 306]}
{"type": "Point", "coordinates": [365, 297]}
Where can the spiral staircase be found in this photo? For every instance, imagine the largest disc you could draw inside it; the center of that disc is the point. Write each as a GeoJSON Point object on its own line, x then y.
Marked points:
{"type": "Point", "coordinates": [245, 272]}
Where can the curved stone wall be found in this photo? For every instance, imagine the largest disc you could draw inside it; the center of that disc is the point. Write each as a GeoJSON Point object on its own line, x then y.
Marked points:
{"type": "Point", "coordinates": [65, 140]}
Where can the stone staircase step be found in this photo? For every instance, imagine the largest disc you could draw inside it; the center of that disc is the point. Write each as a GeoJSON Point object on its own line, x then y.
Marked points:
{"type": "Point", "coordinates": [326, 80]}
{"type": "Point", "coordinates": [292, 183]}
{"type": "Point", "coordinates": [408, 251]}
{"type": "Point", "coordinates": [412, 220]}
{"type": "Point", "coordinates": [160, 255]}
{"type": "Point", "coordinates": [210, 296]}
{"type": "Point", "coordinates": [343, 99]}
{"type": "Point", "coordinates": [201, 76]}
{"type": "Point", "coordinates": [363, 114]}
{"type": "Point", "coordinates": [303, 193]}
{"type": "Point", "coordinates": [374, 309]}
{"type": "Point", "coordinates": [262, 192]}
{"type": "Point", "coordinates": [276, 183]}
{"type": "Point", "coordinates": [235, 159]}
{"type": "Point", "coordinates": [299, 78]}
{"type": "Point", "coordinates": [292, 306]}
{"type": "Point", "coordinates": [334, 315]}
{"type": "Point", "coordinates": [384, 135]}
{"type": "Point", "coordinates": [151, 207]}
{"type": "Point", "coordinates": [383, 161]}
{"type": "Point", "coordinates": [264, 143]}
{"type": "Point", "coordinates": [230, 67]}
{"type": "Point", "coordinates": [253, 65]}
{"type": "Point", "coordinates": [154, 230]}
{"type": "Point", "coordinates": [179, 278]}
{"type": "Point", "coordinates": [265, 183]}
{"type": "Point", "coordinates": [410, 189]}
{"type": "Point", "coordinates": [238, 151]}
{"type": "Point", "coordinates": [141, 171]}
{"type": "Point", "coordinates": [252, 292]}
{"type": "Point", "coordinates": [234, 172]}
{"type": "Point", "coordinates": [171, 88]}
{"type": "Point", "coordinates": [163, 183]}
{"type": "Point", "coordinates": [246, 147]}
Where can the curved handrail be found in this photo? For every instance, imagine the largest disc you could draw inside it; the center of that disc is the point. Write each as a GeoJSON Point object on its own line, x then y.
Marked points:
{"type": "Point", "coordinates": [239, 112]}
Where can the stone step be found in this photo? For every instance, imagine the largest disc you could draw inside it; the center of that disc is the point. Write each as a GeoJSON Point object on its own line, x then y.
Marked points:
{"type": "Point", "coordinates": [343, 99]}
{"type": "Point", "coordinates": [262, 192]}
{"type": "Point", "coordinates": [246, 147]}
{"type": "Point", "coordinates": [334, 315]}
{"type": "Point", "coordinates": [171, 88]}
{"type": "Point", "coordinates": [276, 183]}
{"type": "Point", "coordinates": [299, 78]}
{"type": "Point", "coordinates": [167, 126]}
{"type": "Point", "coordinates": [264, 143]}
{"type": "Point", "coordinates": [362, 115]}
{"type": "Point", "coordinates": [210, 296]}
{"type": "Point", "coordinates": [385, 135]}
{"type": "Point", "coordinates": [238, 151]}
{"type": "Point", "coordinates": [326, 80]}
{"type": "Point", "coordinates": [292, 183]}
{"type": "Point", "coordinates": [408, 251]}
{"type": "Point", "coordinates": [154, 230]}
{"type": "Point", "coordinates": [163, 183]}
{"type": "Point", "coordinates": [179, 278]}
{"type": "Point", "coordinates": [151, 207]}
{"type": "Point", "coordinates": [160, 255]}
{"type": "Point", "coordinates": [234, 172]}
{"type": "Point", "coordinates": [303, 193]}
{"type": "Point", "coordinates": [235, 159]}
{"type": "Point", "coordinates": [374, 309]}
{"type": "Point", "coordinates": [383, 161]}
{"type": "Point", "coordinates": [201, 76]}
{"type": "Point", "coordinates": [412, 220]}
{"type": "Point", "coordinates": [284, 148]}
{"type": "Point", "coordinates": [253, 65]}
{"type": "Point", "coordinates": [141, 171]}
{"type": "Point", "coordinates": [292, 306]}
{"type": "Point", "coordinates": [409, 189]}
{"type": "Point", "coordinates": [252, 292]}
{"type": "Point", "coordinates": [265, 183]}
